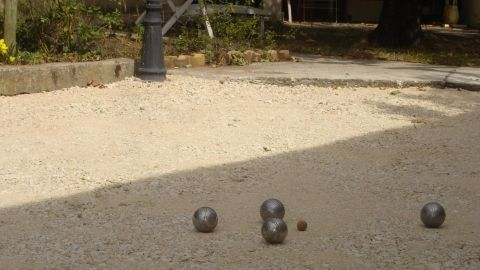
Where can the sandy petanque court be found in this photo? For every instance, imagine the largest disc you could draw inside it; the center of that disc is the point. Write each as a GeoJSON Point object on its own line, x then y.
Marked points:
{"type": "Point", "coordinates": [108, 178]}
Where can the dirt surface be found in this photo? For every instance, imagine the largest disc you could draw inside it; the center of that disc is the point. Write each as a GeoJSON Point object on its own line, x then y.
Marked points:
{"type": "Point", "coordinates": [109, 178]}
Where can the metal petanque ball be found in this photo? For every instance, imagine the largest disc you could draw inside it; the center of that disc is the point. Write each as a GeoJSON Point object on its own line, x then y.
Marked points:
{"type": "Point", "coordinates": [205, 219]}
{"type": "Point", "coordinates": [433, 215]}
{"type": "Point", "coordinates": [274, 230]}
{"type": "Point", "coordinates": [272, 208]}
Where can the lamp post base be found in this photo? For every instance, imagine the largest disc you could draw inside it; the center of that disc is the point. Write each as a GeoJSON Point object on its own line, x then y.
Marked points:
{"type": "Point", "coordinates": [151, 75]}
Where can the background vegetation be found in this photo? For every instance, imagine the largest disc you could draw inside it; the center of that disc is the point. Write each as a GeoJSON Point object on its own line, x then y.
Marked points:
{"type": "Point", "coordinates": [435, 47]}
{"type": "Point", "coordinates": [70, 30]}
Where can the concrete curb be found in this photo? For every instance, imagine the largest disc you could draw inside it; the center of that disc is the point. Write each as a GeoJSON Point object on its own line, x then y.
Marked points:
{"type": "Point", "coordinates": [15, 80]}
{"type": "Point", "coordinates": [345, 82]}
{"type": "Point", "coordinates": [361, 83]}
{"type": "Point", "coordinates": [452, 82]}
{"type": "Point", "coordinates": [467, 78]}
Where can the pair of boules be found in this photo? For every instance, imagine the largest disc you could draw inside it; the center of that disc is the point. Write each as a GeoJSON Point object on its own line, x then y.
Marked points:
{"type": "Point", "coordinates": [274, 229]}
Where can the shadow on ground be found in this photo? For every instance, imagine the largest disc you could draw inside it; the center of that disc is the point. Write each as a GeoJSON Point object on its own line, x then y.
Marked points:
{"type": "Point", "coordinates": [361, 197]}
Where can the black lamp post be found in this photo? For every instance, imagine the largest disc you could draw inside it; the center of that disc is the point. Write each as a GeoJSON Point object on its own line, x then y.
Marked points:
{"type": "Point", "coordinates": [152, 66]}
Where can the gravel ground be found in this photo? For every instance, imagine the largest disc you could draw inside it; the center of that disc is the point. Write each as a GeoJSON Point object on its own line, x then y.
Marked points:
{"type": "Point", "coordinates": [108, 178]}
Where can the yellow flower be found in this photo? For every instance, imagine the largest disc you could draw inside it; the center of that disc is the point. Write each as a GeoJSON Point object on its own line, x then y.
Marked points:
{"type": "Point", "coordinates": [3, 47]}
{"type": "Point", "coordinates": [11, 59]}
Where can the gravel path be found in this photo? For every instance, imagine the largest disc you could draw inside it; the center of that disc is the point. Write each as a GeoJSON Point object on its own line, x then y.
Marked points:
{"type": "Point", "coordinates": [108, 178]}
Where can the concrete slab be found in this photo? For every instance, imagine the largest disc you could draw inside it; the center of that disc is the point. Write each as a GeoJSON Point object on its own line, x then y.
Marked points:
{"type": "Point", "coordinates": [16, 80]}
{"type": "Point", "coordinates": [465, 77]}
{"type": "Point", "coordinates": [324, 71]}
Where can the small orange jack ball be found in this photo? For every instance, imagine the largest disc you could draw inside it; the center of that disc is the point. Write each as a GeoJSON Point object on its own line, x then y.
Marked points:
{"type": "Point", "coordinates": [302, 225]}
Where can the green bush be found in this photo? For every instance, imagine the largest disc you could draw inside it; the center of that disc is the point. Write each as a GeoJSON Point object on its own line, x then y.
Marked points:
{"type": "Point", "coordinates": [64, 26]}
{"type": "Point", "coordinates": [70, 30]}
{"type": "Point", "coordinates": [231, 32]}
{"type": "Point", "coordinates": [235, 31]}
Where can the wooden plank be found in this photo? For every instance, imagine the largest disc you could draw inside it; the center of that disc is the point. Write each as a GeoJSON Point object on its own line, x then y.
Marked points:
{"type": "Point", "coordinates": [236, 9]}
{"type": "Point", "coordinates": [207, 21]}
{"type": "Point", "coordinates": [289, 5]}
{"type": "Point", "coordinates": [140, 18]}
{"type": "Point", "coordinates": [180, 11]}
{"type": "Point", "coordinates": [172, 5]}
{"type": "Point", "coordinates": [198, 9]}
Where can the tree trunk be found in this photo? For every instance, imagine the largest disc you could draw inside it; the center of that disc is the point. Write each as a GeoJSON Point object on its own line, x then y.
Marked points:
{"type": "Point", "coordinates": [399, 24]}
{"type": "Point", "coordinates": [10, 24]}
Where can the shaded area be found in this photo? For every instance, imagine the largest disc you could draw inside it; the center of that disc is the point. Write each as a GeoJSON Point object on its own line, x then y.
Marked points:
{"type": "Point", "coordinates": [361, 197]}
{"type": "Point", "coordinates": [399, 24]}
{"type": "Point", "coordinates": [351, 42]}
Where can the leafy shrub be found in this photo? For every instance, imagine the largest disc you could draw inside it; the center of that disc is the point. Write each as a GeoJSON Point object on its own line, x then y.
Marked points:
{"type": "Point", "coordinates": [231, 32]}
{"type": "Point", "coordinates": [63, 26]}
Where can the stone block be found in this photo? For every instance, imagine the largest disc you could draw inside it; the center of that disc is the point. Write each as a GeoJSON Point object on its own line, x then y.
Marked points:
{"type": "Point", "coordinates": [197, 60]}
{"type": "Point", "coordinates": [224, 59]}
{"type": "Point", "coordinates": [284, 55]}
{"type": "Point", "coordinates": [183, 61]}
{"type": "Point", "coordinates": [252, 56]}
{"type": "Point", "coordinates": [170, 61]}
{"type": "Point", "coordinates": [272, 55]}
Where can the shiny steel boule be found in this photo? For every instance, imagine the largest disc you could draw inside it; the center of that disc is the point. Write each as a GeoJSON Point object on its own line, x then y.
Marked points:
{"type": "Point", "coordinates": [274, 230]}
{"type": "Point", "coordinates": [205, 219]}
{"type": "Point", "coordinates": [433, 215]}
{"type": "Point", "coordinates": [272, 208]}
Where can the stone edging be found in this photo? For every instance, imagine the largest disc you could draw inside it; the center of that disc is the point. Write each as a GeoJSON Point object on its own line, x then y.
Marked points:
{"type": "Point", "coordinates": [227, 58]}
{"type": "Point", "coordinates": [15, 80]}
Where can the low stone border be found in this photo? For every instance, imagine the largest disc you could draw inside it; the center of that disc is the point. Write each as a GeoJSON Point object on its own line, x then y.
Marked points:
{"type": "Point", "coordinates": [345, 82]}
{"type": "Point", "coordinates": [228, 58]}
{"type": "Point", "coordinates": [15, 80]}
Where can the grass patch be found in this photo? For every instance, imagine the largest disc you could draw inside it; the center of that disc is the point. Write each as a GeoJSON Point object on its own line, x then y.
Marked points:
{"type": "Point", "coordinates": [395, 93]}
